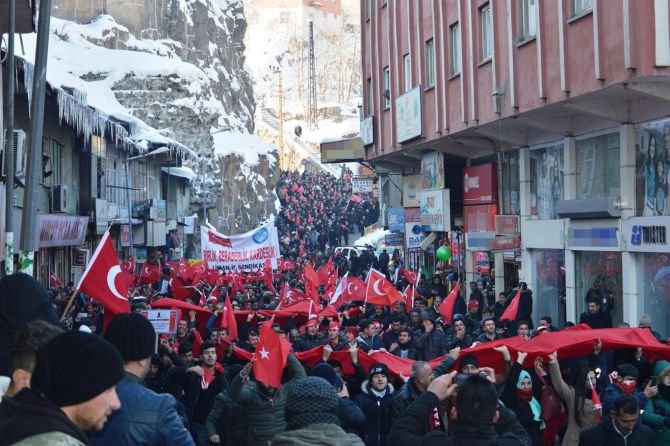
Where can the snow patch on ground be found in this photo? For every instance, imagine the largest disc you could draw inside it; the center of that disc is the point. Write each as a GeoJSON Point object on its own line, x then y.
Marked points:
{"type": "Point", "coordinates": [248, 146]}
{"type": "Point", "coordinates": [373, 238]}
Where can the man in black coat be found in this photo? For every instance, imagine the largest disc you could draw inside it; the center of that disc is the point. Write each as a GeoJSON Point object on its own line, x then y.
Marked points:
{"type": "Point", "coordinates": [432, 343]}
{"type": "Point", "coordinates": [620, 427]}
{"type": "Point", "coordinates": [595, 318]}
{"type": "Point", "coordinates": [474, 417]}
{"type": "Point", "coordinates": [310, 339]}
{"type": "Point", "coordinates": [404, 347]}
{"type": "Point", "coordinates": [375, 402]}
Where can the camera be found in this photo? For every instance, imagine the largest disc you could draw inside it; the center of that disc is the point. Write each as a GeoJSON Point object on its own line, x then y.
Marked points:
{"type": "Point", "coordinates": [462, 377]}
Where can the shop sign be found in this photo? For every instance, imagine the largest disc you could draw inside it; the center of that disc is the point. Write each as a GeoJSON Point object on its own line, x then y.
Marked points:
{"type": "Point", "coordinates": [396, 219]}
{"type": "Point", "coordinates": [647, 234]}
{"type": "Point", "coordinates": [408, 114]}
{"type": "Point", "coordinates": [367, 131]}
{"type": "Point", "coordinates": [432, 171]}
{"type": "Point", "coordinates": [507, 224]}
{"type": "Point", "coordinates": [361, 185]}
{"type": "Point", "coordinates": [482, 262]}
{"type": "Point", "coordinates": [140, 255]}
{"type": "Point", "coordinates": [394, 239]}
{"type": "Point", "coordinates": [479, 218]}
{"type": "Point", "coordinates": [593, 237]}
{"type": "Point", "coordinates": [479, 241]}
{"type": "Point", "coordinates": [435, 210]}
{"type": "Point", "coordinates": [411, 186]}
{"type": "Point", "coordinates": [413, 237]}
{"type": "Point", "coordinates": [57, 230]}
{"type": "Point", "coordinates": [79, 257]}
{"type": "Point", "coordinates": [480, 185]}
{"type": "Point", "coordinates": [506, 243]}
{"type": "Point", "coordinates": [412, 215]}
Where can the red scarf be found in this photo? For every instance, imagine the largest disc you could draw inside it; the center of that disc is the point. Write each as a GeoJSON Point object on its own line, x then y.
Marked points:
{"type": "Point", "coordinates": [208, 377]}
{"type": "Point", "coordinates": [525, 394]}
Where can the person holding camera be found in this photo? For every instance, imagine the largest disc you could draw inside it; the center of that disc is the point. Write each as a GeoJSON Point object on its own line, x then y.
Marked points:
{"type": "Point", "coordinates": [657, 410]}
{"type": "Point", "coordinates": [474, 416]}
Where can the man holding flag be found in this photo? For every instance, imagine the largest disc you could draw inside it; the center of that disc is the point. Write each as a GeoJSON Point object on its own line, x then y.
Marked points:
{"type": "Point", "coordinates": [263, 398]}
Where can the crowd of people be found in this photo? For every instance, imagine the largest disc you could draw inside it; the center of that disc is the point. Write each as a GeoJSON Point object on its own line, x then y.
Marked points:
{"type": "Point", "coordinates": [92, 379]}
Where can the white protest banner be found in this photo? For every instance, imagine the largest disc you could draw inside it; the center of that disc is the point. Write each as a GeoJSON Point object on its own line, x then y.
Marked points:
{"type": "Point", "coordinates": [164, 321]}
{"type": "Point", "coordinates": [246, 252]}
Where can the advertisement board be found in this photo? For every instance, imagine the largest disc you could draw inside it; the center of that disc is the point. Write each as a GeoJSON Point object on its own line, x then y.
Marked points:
{"type": "Point", "coordinates": [435, 210]}
{"type": "Point", "coordinates": [396, 219]}
{"type": "Point", "coordinates": [394, 239]}
{"type": "Point", "coordinates": [409, 120]}
{"type": "Point", "coordinates": [247, 251]}
{"type": "Point", "coordinates": [647, 234]}
{"type": "Point", "coordinates": [411, 186]}
{"type": "Point", "coordinates": [413, 215]}
{"type": "Point", "coordinates": [61, 230]}
{"type": "Point", "coordinates": [367, 131]}
{"type": "Point", "coordinates": [480, 185]}
{"type": "Point", "coordinates": [413, 237]}
{"type": "Point", "coordinates": [361, 185]}
{"type": "Point", "coordinates": [479, 218]}
{"type": "Point", "coordinates": [432, 171]}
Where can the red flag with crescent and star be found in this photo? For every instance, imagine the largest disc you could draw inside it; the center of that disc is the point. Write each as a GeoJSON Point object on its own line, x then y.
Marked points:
{"type": "Point", "coordinates": [447, 307]}
{"type": "Point", "coordinates": [150, 274]}
{"type": "Point", "coordinates": [270, 356]}
{"type": "Point", "coordinates": [513, 308]}
{"type": "Point", "coordinates": [349, 289]}
{"type": "Point", "coordinates": [54, 280]}
{"type": "Point", "coordinates": [103, 281]}
{"type": "Point", "coordinates": [380, 290]}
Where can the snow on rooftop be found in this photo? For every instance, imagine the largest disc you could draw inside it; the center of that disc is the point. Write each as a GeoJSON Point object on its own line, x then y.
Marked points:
{"type": "Point", "coordinates": [373, 238]}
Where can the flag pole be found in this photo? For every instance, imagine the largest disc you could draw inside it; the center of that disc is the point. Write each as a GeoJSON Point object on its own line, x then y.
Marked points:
{"type": "Point", "coordinates": [69, 304]}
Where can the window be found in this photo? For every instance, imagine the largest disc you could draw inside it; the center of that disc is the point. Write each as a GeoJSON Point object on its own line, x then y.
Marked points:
{"type": "Point", "coordinates": [368, 8]}
{"type": "Point", "coordinates": [580, 6]}
{"type": "Point", "coordinates": [598, 167]}
{"type": "Point", "coordinates": [430, 63]}
{"type": "Point", "coordinates": [527, 19]}
{"type": "Point", "coordinates": [606, 267]}
{"type": "Point", "coordinates": [546, 181]}
{"type": "Point", "coordinates": [652, 161]}
{"type": "Point", "coordinates": [113, 183]}
{"type": "Point", "coordinates": [486, 22]}
{"type": "Point", "coordinates": [56, 162]}
{"type": "Point", "coordinates": [387, 87]}
{"type": "Point", "coordinates": [654, 287]}
{"type": "Point", "coordinates": [510, 183]}
{"type": "Point", "coordinates": [550, 284]}
{"type": "Point", "coordinates": [98, 146]}
{"type": "Point", "coordinates": [369, 99]}
{"type": "Point", "coordinates": [407, 63]}
{"type": "Point", "coordinates": [455, 49]}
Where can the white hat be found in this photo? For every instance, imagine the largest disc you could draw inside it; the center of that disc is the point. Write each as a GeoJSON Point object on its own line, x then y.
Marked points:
{"type": "Point", "coordinates": [84, 329]}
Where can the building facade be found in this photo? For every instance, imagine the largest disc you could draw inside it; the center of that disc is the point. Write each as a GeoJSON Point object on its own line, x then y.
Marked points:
{"type": "Point", "coordinates": [563, 106]}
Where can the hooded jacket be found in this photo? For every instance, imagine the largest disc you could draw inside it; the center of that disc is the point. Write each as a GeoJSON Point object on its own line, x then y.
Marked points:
{"type": "Point", "coordinates": [35, 421]}
{"type": "Point", "coordinates": [605, 434]}
{"type": "Point", "coordinates": [321, 434]}
{"type": "Point", "coordinates": [658, 408]}
{"type": "Point", "coordinates": [376, 410]}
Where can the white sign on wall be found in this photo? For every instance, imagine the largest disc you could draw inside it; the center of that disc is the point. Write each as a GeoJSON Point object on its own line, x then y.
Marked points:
{"type": "Point", "coordinates": [435, 210]}
{"type": "Point", "coordinates": [367, 131]}
{"type": "Point", "coordinates": [408, 115]}
{"type": "Point", "coordinates": [413, 236]}
{"type": "Point", "coordinates": [361, 185]}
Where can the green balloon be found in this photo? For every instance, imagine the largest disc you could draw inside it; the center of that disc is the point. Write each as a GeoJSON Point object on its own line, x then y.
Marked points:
{"type": "Point", "coordinates": [443, 253]}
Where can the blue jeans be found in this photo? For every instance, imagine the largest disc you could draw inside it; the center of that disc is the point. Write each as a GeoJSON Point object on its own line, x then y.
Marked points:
{"type": "Point", "coordinates": [200, 433]}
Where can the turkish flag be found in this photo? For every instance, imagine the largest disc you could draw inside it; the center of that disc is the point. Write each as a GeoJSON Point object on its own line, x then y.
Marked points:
{"type": "Point", "coordinates": [380, 290]}
{"type": "Point", "coordinates": [228, 319]}
{"type": "Point", "coordinates": [128, 271]}
{"type": "Point", "coordinates": [54, 281]}
{"type": "Point", "coordinates": [311, 282]}
{"type": "Point", "coordinates": [411, 276]}
{"type": "Point", "coordinates": [270, 357]}
{"type": "Point", "coordinates": [179, 289]}
{"type": "Point", "coordinates": [102, 280]}
{"type": "Point", "coordinates": [349, 289]}
{"type": "Point", "coordinates": [409, 295]}
{"type": "Point", "coordinates": [447, 306]}
{"type": "Point", "coordinates": [513, 308]}
{"type": "Point", "coordinates": [150, 274]}
{"type": "Point", "coordinates": [326, 271]}
{"type": "Point", "coordinates": [289, 296]}
{"type": "Point", "coordinates": [286, 265]}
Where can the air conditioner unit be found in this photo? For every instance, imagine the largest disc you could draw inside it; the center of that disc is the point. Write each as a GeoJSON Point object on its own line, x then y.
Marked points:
{"type": "Point", "coordinates": [18, 142]}
{"type": "Point", "coordinates": [59, 198]}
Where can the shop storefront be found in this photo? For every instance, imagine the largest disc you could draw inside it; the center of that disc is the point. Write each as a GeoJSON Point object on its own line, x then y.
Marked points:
{"type": "Point", "coordinates": [58, 236]}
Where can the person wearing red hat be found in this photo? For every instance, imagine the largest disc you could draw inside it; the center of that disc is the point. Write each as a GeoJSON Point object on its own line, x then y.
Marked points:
{"type": "Point", "coordinates": [335, 341]}
{"type": "Point", "coordinates": [471, 318]}
{"type": "Point", "coordinates": [310, 339]}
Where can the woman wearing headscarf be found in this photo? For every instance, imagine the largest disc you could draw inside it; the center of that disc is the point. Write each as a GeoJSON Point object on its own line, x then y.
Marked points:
{"type": "Point", "coordinates": [519, 396]}
{"type": "Point", "coordinates": [582, 411]}
{"type": "Point", "coordinates": [657, 411]}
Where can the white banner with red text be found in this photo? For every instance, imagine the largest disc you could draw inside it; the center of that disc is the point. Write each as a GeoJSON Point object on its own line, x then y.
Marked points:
{"type": "Point", "coordinates": [245, 252]}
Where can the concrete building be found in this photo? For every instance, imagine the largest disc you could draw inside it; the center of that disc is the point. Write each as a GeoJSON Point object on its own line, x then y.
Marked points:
{"type": "Point", "coordinates": [551, 114]}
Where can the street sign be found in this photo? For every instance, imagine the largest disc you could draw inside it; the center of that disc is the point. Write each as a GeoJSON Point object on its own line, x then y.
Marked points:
{"type": "Point", "coordinates": [164, 321]}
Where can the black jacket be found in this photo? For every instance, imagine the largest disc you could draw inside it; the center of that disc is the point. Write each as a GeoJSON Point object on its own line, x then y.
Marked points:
{"type": "Point", "coordinates": [351, 416]}
{"type": "Point", "coordinates": [27, 414]}
{"type": "Point", "coordinates": [409, 392]}
{"type": "Point", "coordinates": [198, 401]}
{"type": "Point", "coordinates": [307, 342]}
{"type": "Point", "coordinates": [605, 434]}
{"type": "Point", "coordinates": [598, 320]}
{"type": "Point", "coordinates": [145, 417]}
{"type": "Point", "coordinates": [432, 345]}
{"type": "Point", "coordinates": [408, 351]}
{"type": "Point", "coordinates": [408, 429]}
{"type": "Point", "coordinates": [228, 419]}
{"type": "Point", "coordinates": [521, 408]}
{"type": "Point", "coordinates": [376, 411]}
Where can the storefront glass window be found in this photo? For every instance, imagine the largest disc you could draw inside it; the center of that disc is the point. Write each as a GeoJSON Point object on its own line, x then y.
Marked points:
{"type": "Point", "coordinates": [549, 286]}
{"type": "Point", "coordinates": [510, 183]}
{"type": "Point", "coordinates": [546, 181]}
{"type": "Point", "coordinates": [598, 167]}
{"type": "Point", "coordinates": [652, 169]}
{"type": "Point", "coordinates": [599, 273]}
{"type": "Point", "coordinates": [654, 288]}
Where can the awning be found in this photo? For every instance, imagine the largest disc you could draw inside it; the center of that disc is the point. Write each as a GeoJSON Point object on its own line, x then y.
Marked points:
{"type": "Point", "coordinates": [182, 172]}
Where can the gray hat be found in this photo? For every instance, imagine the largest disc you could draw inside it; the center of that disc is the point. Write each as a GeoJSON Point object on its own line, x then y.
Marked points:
{"type": "Point", "coordinates": [309, 401]}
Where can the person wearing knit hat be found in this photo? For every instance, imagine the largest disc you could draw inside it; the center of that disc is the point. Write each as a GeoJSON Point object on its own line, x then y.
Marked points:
{"type": "Point", "coordinates": [310, 338]}
{"type": "Point", "coordinates": [22, 299]}
{"type": "Point", "coordinates": [469, 365]}
{"type": "Point", "coordinates": [312, 409]}
{"type": "Point", "coordinates": [375, 403]}
{"type": "Point", "coordinates": [145, 416]}
{"type": "Point", "coordinates": [72, 390]}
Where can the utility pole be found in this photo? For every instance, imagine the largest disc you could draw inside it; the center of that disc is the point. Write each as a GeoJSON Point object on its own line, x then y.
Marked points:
{"type": "Point", "coordinates": [9, 143]}
{"type": "Point", "coordinates": [312, 81]}
{"type": "Point", "coordinates": [29, 242]}
{"type": "Point", "coordinates": [282, 155]}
